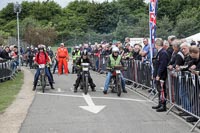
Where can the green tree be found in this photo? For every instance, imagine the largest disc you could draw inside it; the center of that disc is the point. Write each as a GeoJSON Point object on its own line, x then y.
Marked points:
{"type": "Point", "coordinates": [164, 28]}
{"type": "Point", "coordinates": [188, 22]}
{"type": "Point", "coordinates": [103, 18]}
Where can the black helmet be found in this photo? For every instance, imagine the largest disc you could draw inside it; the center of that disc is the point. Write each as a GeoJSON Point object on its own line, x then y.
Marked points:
{"type": "Point", "coordinates": [84, 52]}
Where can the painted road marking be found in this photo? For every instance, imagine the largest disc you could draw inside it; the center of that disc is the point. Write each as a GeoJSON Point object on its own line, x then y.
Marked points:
{"type": "Point", "coordinates": [91, 106]}
{"type": "Point", "coordinates": [108, 98]}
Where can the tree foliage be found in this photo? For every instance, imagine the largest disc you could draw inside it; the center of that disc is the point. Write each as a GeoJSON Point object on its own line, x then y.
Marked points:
{"type": "Point", "coordinates": [83, 21]}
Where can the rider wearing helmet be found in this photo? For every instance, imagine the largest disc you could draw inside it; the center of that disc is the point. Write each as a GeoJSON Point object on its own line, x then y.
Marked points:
{"type": "Point", "coordinates": [84, 59]}
{"type": "Point", "coordinates": [75, 55]}
{"type": "Point", "coordinates": [50, 52]}
{"type": "Point", "coordinates": [114, 60]}
{"type": "Point", "coordinates": [42, 58]}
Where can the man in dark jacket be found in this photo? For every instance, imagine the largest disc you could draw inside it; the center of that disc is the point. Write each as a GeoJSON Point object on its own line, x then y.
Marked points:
{"type": "Point", "coordinates": [177, 58]}
{"type": "Point", "coordinates": [137, 49]}
{"type": "Point", "coordinates": [168, 48]}
{"type": "Point", "coordinates": [160, 73]}
{"type": "Point", "coordinates": [195, 62]}
{"type": "Point", "coordinates": [5, 54]}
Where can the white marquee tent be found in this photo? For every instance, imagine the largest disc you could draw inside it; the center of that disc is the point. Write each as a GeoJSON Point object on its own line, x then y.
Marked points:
{"type": "Point", "coordinates": [195, 37]}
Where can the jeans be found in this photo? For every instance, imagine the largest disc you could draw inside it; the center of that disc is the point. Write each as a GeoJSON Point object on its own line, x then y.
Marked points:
{"type": "Point", "coordinates": [37, 74]}
{"type": "Point", "coordinates": [108, 77]}
{"type": "Point", "coordinates": [14, 65]}
{"type": "Point", "coordinates": [97, 64]}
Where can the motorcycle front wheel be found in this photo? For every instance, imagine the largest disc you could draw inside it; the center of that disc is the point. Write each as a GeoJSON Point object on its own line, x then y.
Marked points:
{"type": "Point", "coordinates": [119, 87]}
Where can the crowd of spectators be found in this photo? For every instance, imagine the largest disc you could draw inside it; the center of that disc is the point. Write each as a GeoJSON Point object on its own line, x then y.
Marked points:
{"type": "Point", "coordinates": [181, 56]}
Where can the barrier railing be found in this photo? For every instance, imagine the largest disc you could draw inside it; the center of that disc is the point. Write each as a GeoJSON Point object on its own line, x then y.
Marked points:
{"type": "Point", "coordinates": [7, 70]}
{"type": "Point", "coordinates": [184, 93]}
{"type": "Point", "coordinates": [99, 62]}
{"type": "Point", "coordinates": [182, 87]}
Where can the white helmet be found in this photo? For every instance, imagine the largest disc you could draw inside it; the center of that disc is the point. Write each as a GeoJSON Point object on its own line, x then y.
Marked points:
{"type": "Point", "coordinates": [77, 47]}
{"type": "Point", "coordinates": [115, 49]}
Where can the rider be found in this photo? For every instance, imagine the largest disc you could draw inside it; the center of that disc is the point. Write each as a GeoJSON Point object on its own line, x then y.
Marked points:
{"type": "Point", "coordinates": [42, 58]}
{"type": "Point", "coordinates": [75, 55]}
{"type": "Point", "coordinates": [114, 60]}
{"type": "Point", "coordinates": [84, 59]}
{"type": "Point", "coordinates": [50, 52]}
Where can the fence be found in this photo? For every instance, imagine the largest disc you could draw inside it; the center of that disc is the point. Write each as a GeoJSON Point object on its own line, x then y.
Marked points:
{"type": "Point", "coordinates": [184, 93]}
{"type": "Point", "coordinates": [182, 87]}
{"type": "Point", "coordinates": [7, 70]}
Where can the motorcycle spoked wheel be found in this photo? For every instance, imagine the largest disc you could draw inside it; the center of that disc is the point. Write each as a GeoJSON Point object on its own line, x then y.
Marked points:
{"type": "Point", "coordinates": [118, 86]}
{"type": "Point", "coordinates": [43, 83]}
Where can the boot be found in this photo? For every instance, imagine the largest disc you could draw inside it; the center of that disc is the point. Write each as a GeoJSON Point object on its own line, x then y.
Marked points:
{"type": "Point", "coordinates": [157, 106]}
{"type": "Point", "coordinates": [75, 89]}
{"type": "Point", "coordinates": [34, 88]}
{"type": "Point", "coordinates": [52, 87]}
{"type": "Point", "coordinates": [162, 108]}
{"type": "Point", "coordinates": [125, 91]}
{"type": "Point", "coordinates": [159, 102]}
{"type": "Point", "coordinates": [34, 85]}
{"type": "Point", "coordinates": [93, 87]}
{"type": "Point", "coordinates": [104, 92]}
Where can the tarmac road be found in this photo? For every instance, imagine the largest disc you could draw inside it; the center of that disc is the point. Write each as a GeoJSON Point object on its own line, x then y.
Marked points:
{"type": "Point", "coordinates": [63, 111]}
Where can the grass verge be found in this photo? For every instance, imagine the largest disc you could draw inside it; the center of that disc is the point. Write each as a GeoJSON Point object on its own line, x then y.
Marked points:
{"type": "Point", "coordinates": [9, 90]}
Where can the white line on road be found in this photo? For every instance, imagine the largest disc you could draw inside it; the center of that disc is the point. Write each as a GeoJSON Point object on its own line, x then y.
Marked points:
{"type": "Point", "coordinates": [64, 95]}
{"type": "Point", "coordinates": [122, 99]}
{"type": "Point", "coordinates": [108, 98]}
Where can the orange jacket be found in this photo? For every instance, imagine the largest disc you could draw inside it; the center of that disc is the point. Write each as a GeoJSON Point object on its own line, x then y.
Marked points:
{"type": "Point", "coordinates": [62, 53]}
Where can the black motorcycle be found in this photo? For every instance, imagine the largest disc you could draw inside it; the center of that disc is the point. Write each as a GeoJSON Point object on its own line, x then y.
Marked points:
{"type": "Point", "coordinates": [84, 84]}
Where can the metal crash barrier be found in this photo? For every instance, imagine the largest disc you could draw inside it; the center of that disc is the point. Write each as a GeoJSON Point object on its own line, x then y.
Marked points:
{"type": "Point", "coordinates": [7, 70]}
{"type": "Point", "coordinates": [138, 72]}
{"type": "Point", "coordinates": [182, 87]}
{"type": "Point", "coordinates": [184, 93]}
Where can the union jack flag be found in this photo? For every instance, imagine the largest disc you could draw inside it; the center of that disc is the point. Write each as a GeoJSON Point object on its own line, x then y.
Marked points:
{"type": "Point", "coordinates": [152, 20]}
{"type": "Point", "coordinates": [152, 27]}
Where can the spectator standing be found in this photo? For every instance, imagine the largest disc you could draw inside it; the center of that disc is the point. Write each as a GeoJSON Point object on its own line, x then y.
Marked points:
{"type": "Point", "coordinates": [168, 48]}
{"type": "Point", "coordinates": [62, 57]}
{"type": "Point", "coordinates": [145, 53]}
{"type": "Point", "coordinates": [137, 49]}
{"type": "Point", "coordinates": [160, 73]}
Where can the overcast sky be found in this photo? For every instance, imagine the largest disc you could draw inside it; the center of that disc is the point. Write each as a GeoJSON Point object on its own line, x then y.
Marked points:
{"type": "Point", "coordinates": [62, 3]}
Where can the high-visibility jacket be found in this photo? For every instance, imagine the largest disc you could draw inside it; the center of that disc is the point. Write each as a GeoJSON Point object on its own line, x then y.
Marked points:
{"type": "Point", "coordinates": [76, 55]}
{"type": "Point", "coordinates": [114, 62]}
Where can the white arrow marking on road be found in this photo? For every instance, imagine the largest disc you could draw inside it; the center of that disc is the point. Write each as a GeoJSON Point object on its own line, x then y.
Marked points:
{"type": "Point", "coordinates": [91, 106]}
